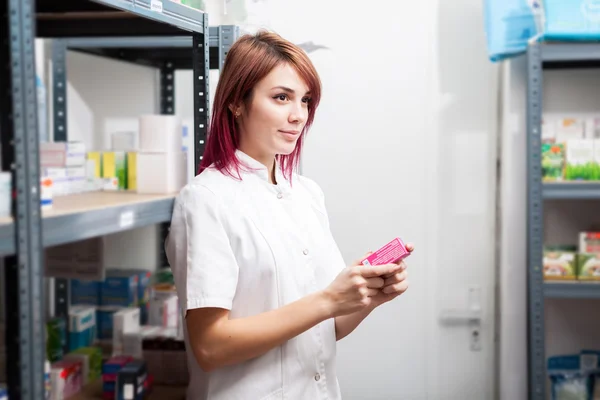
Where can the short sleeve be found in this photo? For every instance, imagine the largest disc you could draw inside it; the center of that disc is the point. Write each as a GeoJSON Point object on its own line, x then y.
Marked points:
{"type": "Point", "coordinates": [199, 252]}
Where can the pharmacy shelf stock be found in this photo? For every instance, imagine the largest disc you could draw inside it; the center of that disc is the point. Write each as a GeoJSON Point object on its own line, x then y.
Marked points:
{"type": "Point", "coordinates": [572, 290]}
{"type": "Point", "coordinates": [541, 57]}
{"type": "Point", "coordinates": [30, 229]}
{"type": "Point", "coordinates": [81, 216]}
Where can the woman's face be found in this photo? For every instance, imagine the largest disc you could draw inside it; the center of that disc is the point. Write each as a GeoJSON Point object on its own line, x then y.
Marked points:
{"type": "Point", "coordinates": [276, 114]}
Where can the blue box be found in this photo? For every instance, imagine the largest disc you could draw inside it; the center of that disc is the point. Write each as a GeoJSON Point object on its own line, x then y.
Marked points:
{"type": "Point", "coordinates": [144, 276]}
{"type": "Point", "coordinates": [572, 20]}
{"type": "Point", "coordinates": [120, 288]}
{"type": "Point", "coordinates": [82, 327]}
{"type": "Point", "coordinates": [85, 292]}
{"type": "Point", "coordinates": [104, 321]}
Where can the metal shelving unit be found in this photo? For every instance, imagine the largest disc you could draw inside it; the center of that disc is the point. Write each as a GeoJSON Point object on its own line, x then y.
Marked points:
{"type": "Point", "coordinates": [24, 236]}
{"type": "Point", "coordinates": [540, 57]}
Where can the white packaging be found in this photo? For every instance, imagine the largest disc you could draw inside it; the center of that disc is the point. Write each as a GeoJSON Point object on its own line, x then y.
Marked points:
{"type": "Point", "coordinates": [62, 154]}
{"type": "Point", "coordinates": [163, 312]}
{"type": "Point", "coordinates": [569, 129]}
{"type": "Point", "coordinates": [5, 197]}
{"type": "Point", "coordinates": [133, 341]}
{"type": "Point", "coordinates": [160, 133]}
{"type": "Point", "coordinates": [187, 134]}
{"type": "Point", "coordinates": [46, 193]}
{"type": "Point", "coordinates": [125, 321]}
{"type": "Point", "coordinates": [124, 141]}
{"type": "Point", "coordinates": [160, 172]}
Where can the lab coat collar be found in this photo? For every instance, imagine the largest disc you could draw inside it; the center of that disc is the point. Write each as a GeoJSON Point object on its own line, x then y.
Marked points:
{"type": "Point", "coordinates": [257, 168]}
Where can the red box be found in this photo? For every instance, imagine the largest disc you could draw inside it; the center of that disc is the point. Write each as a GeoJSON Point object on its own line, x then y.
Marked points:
{"type": "Point", "coordinates": [392, 252]}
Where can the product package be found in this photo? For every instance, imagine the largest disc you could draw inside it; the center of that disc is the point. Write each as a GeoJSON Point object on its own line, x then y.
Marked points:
{"type": "Point", "coordinates": [131, 380]}
{"type": "Point", "coordinates": [553, 161]}
{"type": "Point", "coordinates": [120, 288]}
{"type": "Point", "coordinates": [92, 356]}
{"type": "Point", "coordinates": [560, 265]}
{"type": "Point", "coordinates": [573, 376]}
{"type": "Point", "coordinates": [588, 268]}
{"type": "Point", "coordinates": [56, 339]}
{"type": "Point", "coordinates": [66, 379]}
{"type": "Point", "coordinates": [82, 326]}
{"type": "Point", "coordinates": [124, 321]}
{"type": "Point", "coordinates": [392, 252]}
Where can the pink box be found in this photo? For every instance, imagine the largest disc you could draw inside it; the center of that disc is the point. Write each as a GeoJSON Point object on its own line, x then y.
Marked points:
{"type": "Point", "coordinates": [392, 252]}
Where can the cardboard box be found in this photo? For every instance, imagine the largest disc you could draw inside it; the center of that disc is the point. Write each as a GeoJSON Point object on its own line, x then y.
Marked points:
{"type": "Point", "coordinates": [160, 172]}
{"type": "Point", "coordinates": [62, 154]}
{"type": "Point", "coordinates": [589, 242]}
{"type": "Point", "coordinates": [56, 339]}
{"type": "Point", "coordinates": [82, 326]}
{"type": "Point", "coordinates": [163, 311]}
{"type": "Point", "coordinates": [131, 381]}
{"type": "Point", "coordinates": [560, 265]}
{"type": "Point", "coordinates": [114, 165]}
{"type": "Point", "coordinates": [85, 292]}
{"type": "Point", "coordinates": [579, 161]}
{"type": "Point", "coordinates": [93, 361]}
{"type": "Point", "coordinates": [66, 378]}
{"type": "Point", "coordinates": [120, 288]}
{"type": "Point", "coordinates": [79, 260]}
{"type": "Point", "coordinates": [553, 161]}
{"type": "Point", "coordinates": [124, 321]}
{"type": "Point", "coordinates": [588, 267]}
{"type": "Point", "coordinates": [104, 318]}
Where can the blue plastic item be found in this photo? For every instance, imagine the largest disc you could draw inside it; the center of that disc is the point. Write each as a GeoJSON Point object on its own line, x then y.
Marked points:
{"type": "Point", "coordinates": [511, 24]}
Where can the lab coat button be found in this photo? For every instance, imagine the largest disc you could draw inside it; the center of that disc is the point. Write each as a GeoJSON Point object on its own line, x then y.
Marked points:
{"type": "Point", "coordinates": [317, 377]}
{"type": "Point", "coordinates": [305, 251]}
{"type": "Point", "coordinates": [279, 195]}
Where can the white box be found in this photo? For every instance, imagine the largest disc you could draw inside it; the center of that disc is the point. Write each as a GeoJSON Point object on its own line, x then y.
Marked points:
{"type": "Point", "coordinates": [124, 141]}
{"type": "Point", "coordinates": [160, 172]}
{"type": "Point", "coordinates": [5, 191]}
{"type": "Point", "coordinates": [62, 154]}
{"type": "Point", "coordinates": [133, 341]}
{"type": "Point", "coordinates": [124, 321]}
{"type": "Point", "coordinates": [163, 311]}
{"type": "Point", "coordinates": [160, 133]}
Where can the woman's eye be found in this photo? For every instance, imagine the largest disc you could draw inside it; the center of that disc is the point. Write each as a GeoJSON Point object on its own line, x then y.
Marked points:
{"type": "Point", "coordinates": [306, 100]}
{"type": "Point", "coordinates": [282, 97]}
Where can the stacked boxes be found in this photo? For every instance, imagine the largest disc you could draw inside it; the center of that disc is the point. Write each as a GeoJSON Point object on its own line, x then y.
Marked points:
{"type": "Point", "coordinates": [581, 262]}
{"type": "Point", "coordinates": [571, 149]}
{"type": "Point", "coordinates": [161, 161]}
{"type": "Point", "coordinates": [131, 381]}
{"type": "Point", "coordinates": [66, 377]}
{"type": "Point", "coordinates": [110, 371]}
{"type": "Point", "coordinates": [166, 358]}
{"type": "Point", "coordinates": [124, 321]}
{"type": "Point", "coordinates": [91, 359]}
{"type": "Point", "coordinates": [65, 163]}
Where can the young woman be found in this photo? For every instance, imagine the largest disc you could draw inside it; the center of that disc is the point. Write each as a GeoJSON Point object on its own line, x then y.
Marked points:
{"type": "Point", "coordinates": [263, 287]}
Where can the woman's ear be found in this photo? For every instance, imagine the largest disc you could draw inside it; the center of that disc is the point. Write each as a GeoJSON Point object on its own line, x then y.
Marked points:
{"type": "Point", "coordinates": [236, 111]}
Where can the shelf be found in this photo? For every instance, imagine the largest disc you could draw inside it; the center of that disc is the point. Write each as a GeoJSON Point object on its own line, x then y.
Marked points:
{"type": "Point", "coordinates": [154, 51]}
{"type": "Point", "coordinates": [571, 190]}
{"type": "Point", "coordinates": [77, 217]}
{"type": "Point", "coordinates": [70, 18]}
{"type": "Point", "coordinates": [572, 290]}
{"type": "Point", "coordinates": [93, 391]}
{"type": "Point", "coordinates": [570, 55]}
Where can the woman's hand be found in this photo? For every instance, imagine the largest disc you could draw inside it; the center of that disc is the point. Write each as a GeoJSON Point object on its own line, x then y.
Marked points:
{"type": "Point", "coordinates": [356, 286]}
{"type": "Point", "coordinates": [394, 284]}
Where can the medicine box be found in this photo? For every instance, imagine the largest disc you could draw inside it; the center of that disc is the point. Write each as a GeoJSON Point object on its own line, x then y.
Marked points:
{"type": "Point", "coordinates": [588, 266]}
{"type": "Point", "coordinates": [559, 265]}
{"type": "Point", "coordinates": [85, 292]}
{"type": "Point", "coordinates": [392, 252]}
{"type": "Point", "coordinates": [589, 242]}
{"type": "Point", "coordinates": [66, 378]}
{"type": "Point", "coordinates": [120, 288]}
{"type": "Point", "coordinates": [133, 341]}
{"type": "Point", "coordinates": [96, 157]}
{"type": "Point", "coordinates": [114, 165]}
{"type": "Point", "coordinates": [131, 381]}
{"type": "Point", "coordinates": [160, 172]}
{"type": "Point", "coordinates": [144, 276]}
{"type": "Point", "coordinates": [82, 326]}
{"type": "Point", "coordinates": [104, 316]}
{"type": "Point", "coordinates": [79, 260]}
{"type": "Point", "coordinates": [160, 133]}
{"type": "Point", "coordinates": [579, 160]}
{"type": "Point", "coordinates": [163, 311]}
{"type": "Point", "coordinates": [62, 154]}
{"type": "Point", "coordinates": [93, 355]}
{"type": "Point", "coordinates": [124, 321]}
{"type": "Point", "coordinates": [85, 365]}
{"type": "Point", "coordinates": [56, 338]}
{"type": "Point", "coordinates": [553, 161]}
{"type": "Point", "coordinates": [110, 370]}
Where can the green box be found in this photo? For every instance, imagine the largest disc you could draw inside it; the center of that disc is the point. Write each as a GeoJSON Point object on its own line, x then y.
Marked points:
{"type": "Point", "coordinates": [94, 355]}
{"type": "Point", "coordinates": [588, 267]}
{"type": "Point", "coordinates": [56, 339]}
{"type": "Point", "coordinates": [553, 161]}
{"type": "Point", "coordinates": [560, 265]}
{"type": "Point", "coordinates": [580, 164]}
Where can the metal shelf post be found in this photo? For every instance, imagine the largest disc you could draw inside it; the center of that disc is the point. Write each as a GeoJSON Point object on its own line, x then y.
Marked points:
{"type": "Point", "coordinates": [19, 135]}
{"type": "Point", "coordinates": [535, 232]}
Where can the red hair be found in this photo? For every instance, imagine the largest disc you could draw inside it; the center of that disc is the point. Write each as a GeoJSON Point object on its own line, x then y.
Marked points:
{"type": "Point", "coordinates": [250, 59]}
